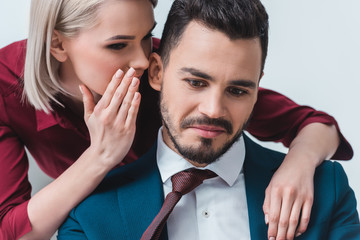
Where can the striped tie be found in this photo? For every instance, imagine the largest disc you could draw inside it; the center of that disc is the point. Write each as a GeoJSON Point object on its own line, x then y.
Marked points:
{"type": "Point", "coordinates": [183, 183]}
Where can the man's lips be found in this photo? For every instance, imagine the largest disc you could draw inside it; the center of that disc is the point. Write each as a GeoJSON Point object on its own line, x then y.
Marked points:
{"type": "Point", "coordinates": [208, 131]}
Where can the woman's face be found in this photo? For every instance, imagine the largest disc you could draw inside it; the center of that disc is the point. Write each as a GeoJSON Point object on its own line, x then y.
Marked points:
{"type": "Point", "coordinates": [121, 39]}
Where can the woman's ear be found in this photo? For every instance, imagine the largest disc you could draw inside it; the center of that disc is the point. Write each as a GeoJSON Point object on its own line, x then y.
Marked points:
{"type": "Point", "coordinates": [155, 71]}
{"type": "Point", "coordinates": [57, 47]}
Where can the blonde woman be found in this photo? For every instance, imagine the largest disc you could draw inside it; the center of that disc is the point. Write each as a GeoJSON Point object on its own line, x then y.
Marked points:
{"type": "Point", "coordinates": [74, 107]}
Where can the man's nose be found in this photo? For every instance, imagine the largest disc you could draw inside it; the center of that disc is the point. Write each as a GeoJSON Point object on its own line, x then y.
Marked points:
{"type": "Point", "coordinates": [212, 105]}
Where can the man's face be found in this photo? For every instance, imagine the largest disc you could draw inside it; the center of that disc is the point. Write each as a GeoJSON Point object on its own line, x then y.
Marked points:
{"type": "Point", "coordinates": [208, 91]}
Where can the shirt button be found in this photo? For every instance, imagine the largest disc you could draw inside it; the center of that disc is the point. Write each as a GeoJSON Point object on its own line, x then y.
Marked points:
{"type": "Point", "coordinates": [206, 214]}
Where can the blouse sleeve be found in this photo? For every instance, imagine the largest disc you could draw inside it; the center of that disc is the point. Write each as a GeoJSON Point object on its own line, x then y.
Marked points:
{"type": "Point", "coordinates": [15, 188]}
{"type": "Point", "coordinates": [277, 118]}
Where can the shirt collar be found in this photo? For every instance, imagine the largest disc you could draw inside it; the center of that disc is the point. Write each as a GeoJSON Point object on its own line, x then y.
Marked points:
{"type": "Point", "coordinates": [45, 120]}
{"type": "Point", "coordinates": [59, 116]}
{"type": "Point", "coordinates": [227, 167]}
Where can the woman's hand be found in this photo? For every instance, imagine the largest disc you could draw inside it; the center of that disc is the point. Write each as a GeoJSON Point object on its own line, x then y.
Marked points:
{"type": "Point", "coordinates": [289, 196]}
{"type": "Point", "coordinates": [112, 121]}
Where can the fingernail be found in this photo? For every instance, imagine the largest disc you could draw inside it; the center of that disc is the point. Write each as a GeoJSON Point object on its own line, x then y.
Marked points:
{"type": "Point", "coordinates": [266, 219]}
{"type": "Point", "coordinates": [81, 89]}
{"type": "Point", "coordinates": [134, 82]}
{"type": "Point", "coordinates": [137, 95]}
{"type": "Point", "coordinates": [298, 234]}
{"type": "Point", "coordinates": [130, 72]}
{"type": "Point", "coordinates": [118, 73]}
{"type": "Point", "coordinates": [272, 238]}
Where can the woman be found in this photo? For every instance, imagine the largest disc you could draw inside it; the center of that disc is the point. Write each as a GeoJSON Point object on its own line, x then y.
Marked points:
{"type": "Point", "coordinates": [78, 134]}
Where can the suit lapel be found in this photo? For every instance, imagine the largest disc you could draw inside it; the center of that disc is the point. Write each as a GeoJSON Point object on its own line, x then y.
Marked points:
{"type": "Point", "coordinates": [259, 166]}
{"type": "Point", "coordinates": [141, 199]}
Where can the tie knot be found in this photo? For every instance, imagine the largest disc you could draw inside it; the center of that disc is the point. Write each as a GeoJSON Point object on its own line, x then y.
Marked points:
{"type": "Point", "coordinates": [185, 181]}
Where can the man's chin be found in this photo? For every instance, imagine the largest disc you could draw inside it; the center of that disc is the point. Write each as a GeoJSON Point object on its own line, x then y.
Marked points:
{"type": "Point", "coordinates": [199, 153]}
{"type": "Point", "coordinates": [205, 150]}
{"type": "Point", "coordinates": [201, 144]}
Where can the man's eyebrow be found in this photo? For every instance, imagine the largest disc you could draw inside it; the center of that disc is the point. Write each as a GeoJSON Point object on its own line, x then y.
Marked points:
{"type": "Point", "coordinates": [244, 83]}
{"type": "Point", "coordinates": [196, 73]}
{"type": "Point", "coordinates": [128, 37]}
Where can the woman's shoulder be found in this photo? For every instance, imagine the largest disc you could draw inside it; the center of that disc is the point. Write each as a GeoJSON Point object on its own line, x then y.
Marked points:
{"type": "Point", "coordinates": [156, 43]}
{"type": "Point", "coordinates": [12, 61]}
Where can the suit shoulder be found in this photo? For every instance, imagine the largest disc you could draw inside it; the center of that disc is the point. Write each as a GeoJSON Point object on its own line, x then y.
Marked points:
{"type": "Point", "coordinates": [116, 185]}
{"type": "Point", "coordinates": [335, 174]}
{"type": "Point", "coordinates": [332, 169]}
{"type": "Point", "coordinates": [119, 178]}
{"type": "Point", "coordinates": [330, 180]}
{"type": "Point", "coordinates": [106, 191]}
{"type": "Point", "coordinates": [261, 155]}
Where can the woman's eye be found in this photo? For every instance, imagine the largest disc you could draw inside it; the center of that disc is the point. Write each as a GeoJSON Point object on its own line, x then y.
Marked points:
{"type": "Point", "coordinates": [117, 46]}
{"type": "Point", "coordinates": [236, 91]}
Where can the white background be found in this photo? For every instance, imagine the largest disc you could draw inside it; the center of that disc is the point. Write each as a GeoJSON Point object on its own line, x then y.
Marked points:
{"type": "Point", "coordinates": [313, 59]}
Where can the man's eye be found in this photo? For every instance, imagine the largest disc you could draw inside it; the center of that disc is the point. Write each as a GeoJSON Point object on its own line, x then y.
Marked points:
{"type": "Point", "coordinates": [196, 83]}
{"type": "Point", "coordinates": [236, 91]}
{"type": "Point", "coordinates": [116, 46]}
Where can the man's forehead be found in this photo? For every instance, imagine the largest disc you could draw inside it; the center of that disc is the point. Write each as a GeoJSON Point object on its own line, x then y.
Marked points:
{"type": "Point", "coordinates": [200, 36]}
{"type": "Point", "coordinates": [208, 50]}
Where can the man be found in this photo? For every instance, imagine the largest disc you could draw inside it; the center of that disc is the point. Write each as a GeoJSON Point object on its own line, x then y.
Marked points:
{"type": "Point", "coordinates": [207, 97]}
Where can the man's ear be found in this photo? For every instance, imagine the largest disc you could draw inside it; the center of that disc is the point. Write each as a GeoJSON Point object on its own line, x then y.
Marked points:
{"type": "Point", "coordinates": [155, 71]}
{"type": "Point", "coordinates": [57, 47]}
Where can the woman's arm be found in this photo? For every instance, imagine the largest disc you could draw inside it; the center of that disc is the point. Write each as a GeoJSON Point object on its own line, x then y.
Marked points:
{"type": "Point", "coordinates": [311, 136]}
{"type": "Point", "coordinates": [291, 188]}
{"type": "Point", "coordinates": [279, 119]}
{"type": "Point", "coordinates": [15, 188]}
{"type": "Point", "coordinates": [112, 127]}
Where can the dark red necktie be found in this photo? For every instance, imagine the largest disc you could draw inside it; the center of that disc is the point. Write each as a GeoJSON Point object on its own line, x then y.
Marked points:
{"type": "Point", "coordinates": [183, 183]}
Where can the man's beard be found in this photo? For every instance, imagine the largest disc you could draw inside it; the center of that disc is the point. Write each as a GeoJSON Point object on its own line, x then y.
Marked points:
{"type": "Point", "coordinates": [203, 154]}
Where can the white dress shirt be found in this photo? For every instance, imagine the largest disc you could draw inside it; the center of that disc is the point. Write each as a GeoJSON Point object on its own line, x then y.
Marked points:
{"type": "Point", "coordinates": [216, 209]}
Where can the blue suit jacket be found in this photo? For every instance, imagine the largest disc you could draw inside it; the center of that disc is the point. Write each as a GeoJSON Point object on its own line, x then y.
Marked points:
{"type": "Point", "coordinates": [130, 197]}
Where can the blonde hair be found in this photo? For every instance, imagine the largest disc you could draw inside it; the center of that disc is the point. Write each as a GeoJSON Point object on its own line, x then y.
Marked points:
{"type": "Point", "coordinates": [68, 17]}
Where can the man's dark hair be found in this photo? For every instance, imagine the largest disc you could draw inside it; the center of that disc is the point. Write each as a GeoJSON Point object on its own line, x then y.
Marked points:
{"type": "Point", "coordinates": [238, 19]}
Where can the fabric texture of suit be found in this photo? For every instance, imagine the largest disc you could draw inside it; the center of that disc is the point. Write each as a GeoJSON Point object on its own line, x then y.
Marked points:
{"type": "Point", "coordinates": [129, 198]}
